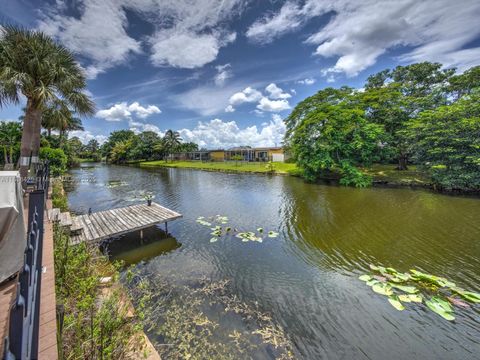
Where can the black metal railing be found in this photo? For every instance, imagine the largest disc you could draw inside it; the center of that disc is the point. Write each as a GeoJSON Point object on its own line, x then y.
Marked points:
{"type": "Point", "coordinates": [22, 339]}
{"type": "Point", "coordinates": [43, 177]}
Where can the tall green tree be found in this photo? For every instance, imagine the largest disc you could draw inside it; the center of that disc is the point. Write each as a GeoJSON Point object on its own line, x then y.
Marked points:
{"type": "Point", "coordinates": [143, 145]}
{"type": "Point", "coordinates": [171, 141]}
{"type": "Point", "coordinates": [447, 143]}
{"type": "Point", "coordinates": [330, 133]}
{"type": "Point", "coordinates": [187, 147]}
{"type": "Point", "coordinates": [119, 153]}
{"type": "Point", "coordinates": [10, 135]}
{"type": "Point", "coordinates": [393, 97]}
{"type": "Point", "coordinates": [60, 117]}
{"type": "Point", "coordinates": [115, 137]}
{"type": "Point", "coordinates": [33, 65]}
{"type": "Point", "coordinates": [464, 84]}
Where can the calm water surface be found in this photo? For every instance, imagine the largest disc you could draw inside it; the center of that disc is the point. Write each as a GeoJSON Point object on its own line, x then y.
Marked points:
{"type": "Point", "coordinates": [308, 276]}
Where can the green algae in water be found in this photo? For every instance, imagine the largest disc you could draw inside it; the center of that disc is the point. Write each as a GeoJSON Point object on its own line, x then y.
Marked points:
{"type": "Point", "coordinates": [204, 319]}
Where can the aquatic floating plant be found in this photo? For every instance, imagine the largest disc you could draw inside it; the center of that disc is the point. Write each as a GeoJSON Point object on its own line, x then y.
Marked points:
{"type": "Point", "coordinates": [248, 236]}
{"type": "Point", "coordinates": [439, 294]}
{"type": "Point", "coordinates": [115, 183]}
{"type": "Point", "coordinates": [218, 230]}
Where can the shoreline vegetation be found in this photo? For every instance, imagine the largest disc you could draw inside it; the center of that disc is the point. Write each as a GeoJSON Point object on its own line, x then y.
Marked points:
{"type": "Point", "coordinates": [99, 320]}
{"type": "Point", "coordinates": [382, 174]}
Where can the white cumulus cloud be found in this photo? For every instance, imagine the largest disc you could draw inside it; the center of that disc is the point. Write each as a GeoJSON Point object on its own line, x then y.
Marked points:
{"type": "Point", "coordinates": [248, 95]}
{"type": "Point", "coordinates": [276, 93]}
{"type": "Point", "coordinates": [98, 33]}
{"type": "Point", "coordinates": [184, 50]}
{"type": "Point", "coordinates": [123, 111]}
{"type": "Point", "coordinates": [229, 109]}
{"type": "Point", "coordinates": [265, 104]}
{"type": "Point", "coordinates": [275, 99]}
{"type": "Point", "coordinates": [190, 34]}
{"type": "Point", "coordinates": [217, 133]}
{"type": "Point", "coordinates": [358, 32]}
{"type": "Point", "coordinates": [138, 127]}
{"type": "Point", "coordinates": [186, 34]}
{"type": "Point", "coordinates": [85, 136]}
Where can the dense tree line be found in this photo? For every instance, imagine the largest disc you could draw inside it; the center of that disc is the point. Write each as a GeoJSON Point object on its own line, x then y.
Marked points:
{"type": "Point", "coordinates": [420, 114]}
{"type": "Point", "coordinates": [124, 145]}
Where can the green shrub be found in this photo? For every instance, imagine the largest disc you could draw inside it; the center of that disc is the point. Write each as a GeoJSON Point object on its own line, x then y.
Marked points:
{"type": "Point", "coordinates": [56, 158]}
{"type": "Point", "coordinates": [351, 176]}
{"type": "Point", "coordinates": [95, 326]}
{"type": "Point", "coordinates": [59, 199]}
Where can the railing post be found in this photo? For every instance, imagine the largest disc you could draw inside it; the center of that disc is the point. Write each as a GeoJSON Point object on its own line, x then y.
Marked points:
{"type": "Point", "coordinates": [22, 339]}
{"type": "Point", "coordinates": [35, 222]}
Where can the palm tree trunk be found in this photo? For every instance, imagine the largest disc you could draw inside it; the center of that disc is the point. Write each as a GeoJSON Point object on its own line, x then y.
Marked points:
{"type": "Point", "coordinates": [27, 138]}
{"type": "Point", "coordinates": [37, 129]}
{"type": "Point", "coordinates": [5, 154]}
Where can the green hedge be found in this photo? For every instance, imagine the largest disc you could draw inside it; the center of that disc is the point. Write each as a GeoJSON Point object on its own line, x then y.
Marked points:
{"type": "Point", "coordinates": [56, 158]}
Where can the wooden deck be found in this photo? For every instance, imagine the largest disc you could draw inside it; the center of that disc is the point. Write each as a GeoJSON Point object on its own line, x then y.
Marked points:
{"type": "Point", "coordinates": [102, 225]}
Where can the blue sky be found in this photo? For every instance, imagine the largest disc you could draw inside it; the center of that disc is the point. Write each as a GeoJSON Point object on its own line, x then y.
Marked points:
{"type": "Point", "coordinates": [226, 72]}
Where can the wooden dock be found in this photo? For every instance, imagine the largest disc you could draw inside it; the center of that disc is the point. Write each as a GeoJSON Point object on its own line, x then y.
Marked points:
{"type": "Point", "coordinates": [102, 225]}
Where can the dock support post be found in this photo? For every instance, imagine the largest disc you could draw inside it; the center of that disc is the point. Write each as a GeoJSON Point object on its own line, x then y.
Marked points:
{"type": "Point", "coordinates": [166, 228]}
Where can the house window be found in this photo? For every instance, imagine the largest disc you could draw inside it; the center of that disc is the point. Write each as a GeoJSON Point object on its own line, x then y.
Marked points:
{"type": "Point", "coordinates": [262, 155]}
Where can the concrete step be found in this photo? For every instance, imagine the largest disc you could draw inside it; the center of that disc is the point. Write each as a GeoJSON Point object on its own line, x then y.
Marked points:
{"type": "Point", "coordinates": [53, 214]}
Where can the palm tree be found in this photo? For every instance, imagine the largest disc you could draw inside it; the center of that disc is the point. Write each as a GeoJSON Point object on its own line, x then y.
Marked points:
{"type": "Point", "coordinates": [10, 134]}
{"type": "Point", "coordinates": [171, 140]}
{"type": "Point", "coordinates": [33, 65]}
{"type": "Point", "coordinates": [60, 118]}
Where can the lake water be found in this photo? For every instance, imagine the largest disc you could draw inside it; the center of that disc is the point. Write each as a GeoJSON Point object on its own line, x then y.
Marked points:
{"type": "Point", "coordinates": [306, 279]}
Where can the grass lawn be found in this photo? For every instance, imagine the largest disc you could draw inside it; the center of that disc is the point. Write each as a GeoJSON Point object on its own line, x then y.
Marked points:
{"type": "Point", "coordinates": [388, 173]}
{"type": "Point", "coordinates": [230, 166]}
{"type": "Point", "coordinates": [380, 172]}
{"type": "Point", "coordinates": [85, 160]}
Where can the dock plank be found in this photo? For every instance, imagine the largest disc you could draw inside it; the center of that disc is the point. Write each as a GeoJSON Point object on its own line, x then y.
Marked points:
{"type": "Point", "coordinates": [102, 225]}
{"type": "Point", "coordinates": [130, 220]}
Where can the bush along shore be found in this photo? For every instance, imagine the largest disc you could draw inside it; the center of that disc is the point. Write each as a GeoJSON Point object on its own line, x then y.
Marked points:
{"type": "Point", "coordinates": [382, 174]}
{"type": "Point", "coordinates": [98, 320]}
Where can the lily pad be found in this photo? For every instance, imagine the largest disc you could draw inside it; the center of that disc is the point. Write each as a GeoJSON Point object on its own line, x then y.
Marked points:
{"type": "Point", "coordinates": [396, 303]}
{"type": "Point", "coordinates": [272, 234]}
{"type": "Point", "coordinates": [203, 222]}
{"type": "Point", "coordinates": [372, 282]}
{"type": "Point", "coordinates": [365, 277]}
{"type": "Point", "coordinates": [404, 288]}
{"type": "Point", "coordinates": [383, 289]}
{"type": "Point", "coordinates": [439, 281]}
{"type": "Point", "coordinates": [441, 307]}
{"type": "Point", "coordinates": [415, 298]}
{"type": "Point", "coordinates": [214, 239]}
{"type": "Point", "coordinates": [467, 295]}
